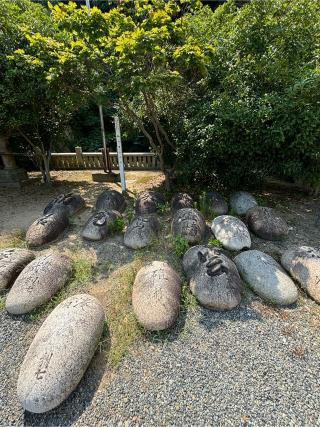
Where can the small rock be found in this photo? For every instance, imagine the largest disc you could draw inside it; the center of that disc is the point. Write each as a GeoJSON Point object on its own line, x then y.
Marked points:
{"type": "Point", "coordinates": [231, 232]}
{"type": "Point", "coordinates": [156, 296]}
{"type": "Point", "coordinates": [180, 201]}
{"type": "Point", "coordinates": [70, 202]}
{"type": "Point", "coordinates": [141, 231]}
{"type": "Point", "coordinates": [241, 202]}
{"type": "Point", "coordinates": [148, 202]}
{"type": "Point", "coordinates": [266, 277]}
{"type": "Point", "coordinates": [266, 223]}
{"type": "Point", "coordinates": [97, 226]}
{"type": "Point", "coordinates": [110, 200]}
{"type": "Point", "coordinates": [304, 266]}
{"type": "Point", "coordinates": [217, 203]}
{"type": "Point", "coordinates": [60, 353]}
{"type": "Point", "coordinates": [47, 228]}
{"type": "Point", "coordinates": [189, 223]}
{"type": "Point", "coordinates": [38, 282]}
{"type": "Point", "coordinates": [12, 262]}
{"type": "Point", "coordinates": [214, 278]}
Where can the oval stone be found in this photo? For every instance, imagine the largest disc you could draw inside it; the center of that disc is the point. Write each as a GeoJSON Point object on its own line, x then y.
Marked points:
{"type": "Point", "coordinates": [303, 264]}
{"type": "Point", "coordinates": [241, 202]}
{"type": "Point", "coordinates": [217, 203]}
{"type": "Point", "coordinates": [148, 202]}
{"type": "Point", "coordinates": [266, 277]}
{"type": "Point", "coordinates": [47, 228]}
{"type": "Point", "coordinates": [110, 200]}
{"type": "Point", "coordinates": [70, 202]}
{"type": "Point", "coordinates": [156, 296]}
{"type": "Point", "coordinates": [231, 232]}
{"type": "Point", "coordinates": [38, 282]}
{"type": "Point", "coordinates": [12, 262]}
{"type": "Point", "coordinates": [180, 201]}
{"type": "Point", "coordinates": [214, 278]}
{"type": "Point", "coordinates": [97, 226]}
{"type": "Point", "coordinates": [141, 231]}
{"type": "Point", "coordinates": [60, 353]}
{"type": "Point", "coordinates": [266, 223]}
{"type": "Point", "coordinates": [189, 223]}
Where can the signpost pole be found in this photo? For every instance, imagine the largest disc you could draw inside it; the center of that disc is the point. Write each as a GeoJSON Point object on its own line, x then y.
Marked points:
{"type": "Point", "coordinates": [119, 151]}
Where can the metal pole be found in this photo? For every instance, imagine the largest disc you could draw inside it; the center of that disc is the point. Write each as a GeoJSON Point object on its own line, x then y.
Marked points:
{"type": "Point", "coordinates": [88, 4]}
{"type": "Point", "coordinates": [119, 151]}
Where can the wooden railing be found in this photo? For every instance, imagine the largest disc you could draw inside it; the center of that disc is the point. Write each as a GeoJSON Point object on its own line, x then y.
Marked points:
{"type": "Point", "coordinates": [94, 160]}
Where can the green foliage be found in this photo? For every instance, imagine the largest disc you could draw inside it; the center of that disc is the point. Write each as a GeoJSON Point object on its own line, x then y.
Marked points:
{"type": "Point", "coordinates": [215, 242]}
{"type": "Point", "coordinates": [180, 245]}
{"type": "Point", "coordinates": [116, 226]}
{"type": "Point", "coordinates": [205, 205]}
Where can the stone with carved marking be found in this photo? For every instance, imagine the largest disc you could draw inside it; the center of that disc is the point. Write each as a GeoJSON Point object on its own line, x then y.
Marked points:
{"type": "Point", "coordinates": [148, 202]}
{"type": "Point", "coordinates": [266, 223]}
{"type": "Point", "coordinates": [142, 230]}
{"type": "Point", "coordinates": [98, 225]}
{"type": "Point", "coordinates": [47, 228]}
{"type": "Point", "coordinates": [217, 203]}
{"type": "Point", "coordinates": [180, 201]}
{"type": "Point", "coordinates": [38, 282]}
{"type": "Point", "coordinates": [241, 202]}
{"type": "Point", "coordinates": [12, 262]}
{"type": "Point", "coordinates": [231, 232]}
{"type": "Point", "coordinates": [110, 200]}
{"type": "Point", "coordinates": [60, 353]}
{"type": "Point", "coordinates": [266, 277]}
{"type": "Point", "coordinates": [156, 296]}
{"type": "Point", "coordinates": [214, 278]}
{"type": "Point", "coordinates": [190, 224]}
{"type": "Point", "coordinates": [71, 203]}
{"type": "Point", "coordinates": [303, 264]}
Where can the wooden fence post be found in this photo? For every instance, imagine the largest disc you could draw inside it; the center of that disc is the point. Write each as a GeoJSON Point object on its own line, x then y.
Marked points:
{"type": "Point", "coordinates": [79, 156]}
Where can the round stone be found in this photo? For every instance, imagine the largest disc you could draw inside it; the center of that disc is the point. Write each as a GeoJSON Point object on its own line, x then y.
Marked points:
{"type": "Point", "coordinates": [47, 228]}
{"type": "Point", "coordinates": [38, 282]}
{"type": "Point", "coordinates": [303, 264]}
{"type": "Point", "coordinates": [180, 201]}
{"type": "Point", "coordinates": [217, 203]}
{"type": "Point", "coordinates": [110, 200]}
{"type": "Point", "coordinates": [214, 278]}
{"type": "Point", "coordinates": [241, 202]}
{"type": "Point", "coordinates": [148, 202]}
{"type": "Point", "coordinates": [190, 224]}
{"type": "Point", "coordinates": [97, 226]}
{"type": "Point", "coordinates": [70, 202]}
{"type": "Point", "coordinates": [156, 296]}
{"type": "Point", "coordinates": [266, 223]}
{"type": "Point", "coordinates": [266, 277]}
{"type": "Point", "coordinates": [231, 232]}
{"type": "Point", "coordinates": [60, 353]}
{"type": "Point", "coordinates": [141, 231]}
{"type": "Point", "coordinates": [12, 262]}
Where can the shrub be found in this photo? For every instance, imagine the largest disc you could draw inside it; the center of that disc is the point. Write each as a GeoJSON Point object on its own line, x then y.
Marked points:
{"type": "Point", "coordinates": [180, 245]}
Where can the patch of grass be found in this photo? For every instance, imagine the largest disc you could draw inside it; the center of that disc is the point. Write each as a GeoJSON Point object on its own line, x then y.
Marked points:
{"type": "Point", "coordinates": [116, 226]}
{"type": "Point", "coordinates": [215, 242]}
{"type": "Point", "coordinates": [163, 208]}
{"type": "Point", "coordinates": [2, 302]}
{"type": "Point", "coordinates": [205, 206]}
{"type": "Point", "coordinates": [115, 295]}
{"type": "Point", "coordinates": [188, 301]}
{"type": "Point", "coordinates": [130, 213]}
{"type": "Point", "coordinates": [180, 245]}
{"type": "Point", "coordinates": [15, 239]}
{"type": "Point", "coordinates": [232, 212]}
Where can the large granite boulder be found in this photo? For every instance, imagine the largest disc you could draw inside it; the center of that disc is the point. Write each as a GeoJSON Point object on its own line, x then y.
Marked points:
{"type": "Point", "coordinates": [38, 282]}
{"type": "Point", "coordinates": [266, 277]}
{"type": "Point", "coordinates": [189, 223]}
{"type": "Point", "coordinates": [241, 202]}
{"type": "Point", "coordinates": [141, 231]}
{"type": "Point", "coordinates": [12, 262]}
{"type": "Point", "coordinates": [303, 264]}
{"type": "Point", "coordinates": [156, 296]}
{"type": "Point", "coordinates": [266, 223]}
{"type": "Point", "coordinates": [97, 226]}
{"type": "Point", "coordinates": [70, 202]}
{"type": "Point", "coordinates": [231, 232]}
{"type": "Point", "coordinates": [180, 201]}
{"type": "Point", "coordinates": [217, 203]}
{"type": "Point", "coordinates": [148, 202]}
{"type": "Point", "coordinates": [110, 200]}
{"type": "Point", "coordinates": [47, 228]}
{"type": "Point", "coordinates": [214, 278]}
{"type": "Point", "coordinates": [60, 353]}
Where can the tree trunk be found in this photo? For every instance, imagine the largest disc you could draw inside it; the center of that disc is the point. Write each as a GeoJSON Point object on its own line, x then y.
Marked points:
{"type": "Point", "coordinates": [46, 171]}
